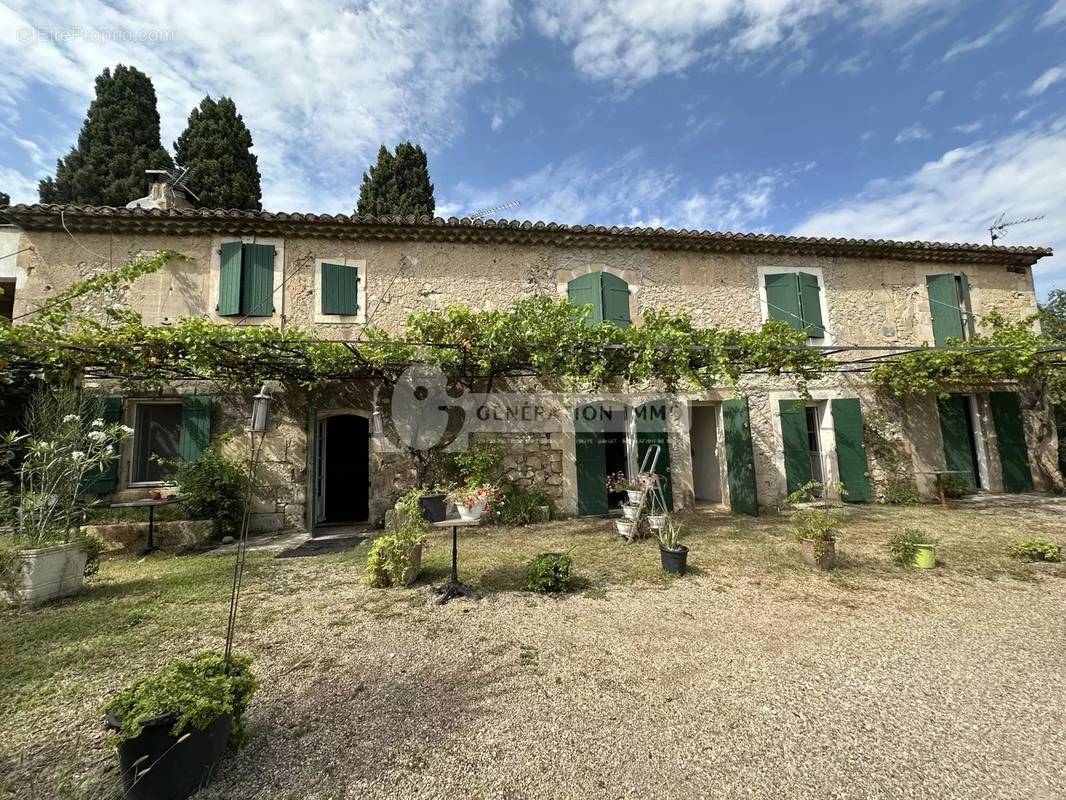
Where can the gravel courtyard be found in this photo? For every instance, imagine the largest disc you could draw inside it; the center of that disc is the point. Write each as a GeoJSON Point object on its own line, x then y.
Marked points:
{"type": "Point", "coordinates": [752, 678]}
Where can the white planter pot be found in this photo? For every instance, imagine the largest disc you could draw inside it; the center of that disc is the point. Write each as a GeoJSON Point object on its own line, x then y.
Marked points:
{"type": "Point", "coordinates": [630, 511]}
{"type": "Point", "coordinates": [626, 528]}
{"type": "Point", "coordinates": [47, 573]}
{"type": "Point", "coordinates": [635, 495]}
{"type": "Point", "coordinates": [471, 513]}
{"type": "Point", "coordinates": [656, 521]}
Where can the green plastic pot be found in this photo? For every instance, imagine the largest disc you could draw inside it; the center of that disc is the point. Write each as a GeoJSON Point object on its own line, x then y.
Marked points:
{"type": "Point", "coordinates": [924, 556]}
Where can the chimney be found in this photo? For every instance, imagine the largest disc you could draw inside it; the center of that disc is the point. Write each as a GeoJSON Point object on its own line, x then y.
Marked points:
{"type": "Point", "coordinates": [164, 193]}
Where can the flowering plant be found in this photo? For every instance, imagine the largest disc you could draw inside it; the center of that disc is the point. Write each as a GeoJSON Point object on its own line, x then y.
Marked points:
{"type": "Point", "coordinates": [61, 451]}
{"type": "Point", "coordinates": [470, 496]}
{"type": "Point", "coordinates": [619, 482]}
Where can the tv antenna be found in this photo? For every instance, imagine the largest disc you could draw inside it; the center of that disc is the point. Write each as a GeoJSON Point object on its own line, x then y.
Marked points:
{"type": "Point", "coordinates": [489, 211]}
{"type": "Point", "coordinates": [998, 229]}
{"type": "Point", "coordinates": [175, 181]}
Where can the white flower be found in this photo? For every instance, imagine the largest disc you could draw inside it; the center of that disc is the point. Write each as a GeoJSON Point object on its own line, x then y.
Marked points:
{"type": "Point", "coordinates": [96, 436]}
{"type": "Point", "coordinates": [126, 430]}
{"type": "Point", "coordinates": [98, 423]}
{"type": "Point", "coordinates": [78, 455]}
{"type": "Point", "coordinates": [71, 418]}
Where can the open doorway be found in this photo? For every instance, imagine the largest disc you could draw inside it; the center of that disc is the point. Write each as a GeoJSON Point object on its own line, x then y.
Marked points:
{"type": "Point", "coordinates": [342, 480]}
{"type": "Point", "coordinates": [706, 463]}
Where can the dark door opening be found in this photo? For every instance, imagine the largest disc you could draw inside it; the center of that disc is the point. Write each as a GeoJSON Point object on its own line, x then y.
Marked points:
{"type": "Point", "coordinates": [347, 463]}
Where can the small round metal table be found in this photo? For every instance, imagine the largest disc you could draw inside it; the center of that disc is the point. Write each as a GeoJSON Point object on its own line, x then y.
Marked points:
{"type": "Point", "coordinates": [454, 587]}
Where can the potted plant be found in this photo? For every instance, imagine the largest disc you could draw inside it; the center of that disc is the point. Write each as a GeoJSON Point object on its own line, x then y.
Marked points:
{"type": "Point", "coordinates": [630, 511]}
{"type": "Point", "coordinates": [657, 519]}
{"type": "Point", "coordinates": [619, 482]}
{"type": "Point", "coordinates": [395, 558]}
{"type": "Point", "coordinates": [44, 555]}
{"type": "Point", "coordinates": [672, 554]}
{"type": "Point", "coordinates": [471, 501]}
{"type": "Point", "coordinates": [627, 528]}
{"type": "Point", "coordinates": [172, 727]}
{"type": "Point", "coordinates": [432, 503]}
{"type": "Point", "coordinates": [913, 548]}
{"type": "Point", "coordinates": [817, 526]}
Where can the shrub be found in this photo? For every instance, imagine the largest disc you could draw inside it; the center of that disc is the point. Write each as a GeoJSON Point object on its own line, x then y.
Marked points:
{"type": "Point", "coordinates": [479, 465]}
{"type": "Point", "coordinates": [904, 545]}
{"type": "Point", "coordinates": [390, 555]}
{"type": "Point", "coordinates": [215, 487]}
{"type": "Point", "coordinates": [955, 487]}
{"type": "Point", "coordinates": [900, 491]}
{"type": "Point", "coordinates": [518, 506]}
{"type": "Point", "coordinates": [669, 534]}
{"type": "Point", "coordinates": [195, 691]}
{"type": "Point", "coordinates": [549, 573]}
{"type": "Point", "coordinates": [1035, 550]}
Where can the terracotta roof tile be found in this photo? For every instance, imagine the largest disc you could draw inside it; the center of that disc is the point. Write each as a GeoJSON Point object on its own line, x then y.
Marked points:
{"type": "Point", "coordinates": [154, 220]}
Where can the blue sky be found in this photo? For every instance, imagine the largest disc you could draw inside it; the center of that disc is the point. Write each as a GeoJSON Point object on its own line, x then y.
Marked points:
{"type": "Point", "coordinates": [880, 118]}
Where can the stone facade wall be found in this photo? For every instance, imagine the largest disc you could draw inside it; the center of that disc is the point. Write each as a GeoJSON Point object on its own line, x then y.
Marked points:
{"type": "Point", "coordinates": [868, 302]}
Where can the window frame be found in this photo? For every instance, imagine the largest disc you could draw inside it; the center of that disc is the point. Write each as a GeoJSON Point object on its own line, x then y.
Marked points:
{"type": "Point", "coordinates": [359, 317]}
{"type": "Point", "coordinates": [135, 410]}
{"type": "Point", "coordinates": [764, 306]}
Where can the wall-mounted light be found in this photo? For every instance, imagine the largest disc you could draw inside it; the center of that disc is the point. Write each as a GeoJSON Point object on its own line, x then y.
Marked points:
{"type": "Point", "coordinates": [261, 410]}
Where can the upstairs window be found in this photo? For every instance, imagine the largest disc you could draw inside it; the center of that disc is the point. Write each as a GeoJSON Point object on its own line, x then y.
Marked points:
{"type": "Point", "coordinates": [950, 307]}
{"type": "Point", "coordinates": [796, 298]}
{"type": "Point", "coordinates": [606, 294]}
{"type": "Point", "coordinates": [246, 280]}
{"type": "Point", "coordinates": [340, 290]}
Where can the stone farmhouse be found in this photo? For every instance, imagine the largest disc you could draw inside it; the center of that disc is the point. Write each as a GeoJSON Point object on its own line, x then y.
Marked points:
{"type": "Point", "coordinates": [735, 447]}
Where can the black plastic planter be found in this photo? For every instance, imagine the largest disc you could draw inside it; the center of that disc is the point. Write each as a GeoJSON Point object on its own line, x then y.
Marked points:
{"type": "Point", "coordinates": [432, 507]}
{"type": "Point", "coordinates": [156, 767]}
{"type": "Point", "coordinates": [674, 561]}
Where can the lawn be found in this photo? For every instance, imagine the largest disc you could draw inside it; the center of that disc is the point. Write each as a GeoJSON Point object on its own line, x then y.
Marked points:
{"type": "Point", "coordinates": [382, 693]}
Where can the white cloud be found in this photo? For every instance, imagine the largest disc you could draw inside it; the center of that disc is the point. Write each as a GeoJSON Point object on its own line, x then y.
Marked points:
{"type": "Point", "coordinates": [934, 97]}
{"type": "Point", "coordinates": [631, 42]}
{"type": "Point", "coordinates": [956, 197]}
{"type": "Point", "coordinates": [913, 133]}
{"type": "Point", "coordinates": [501, 110]}
{"type": "Point", "coordinates": [969, 127]}
{"type": "Point", "coordinates": [577, 191]}
{"type": "Point", "coordinates": [1047, 80]}
{"type": "Point", "coordinates": [853, 65]}
{"type": "Point", "coordinates": [320, 85]}
{"type": "Point", "coordinates": [1054, 15]}
{"type": "Point", "coordinates": [969, 45]}
{"type": "Point", "coordinates": [21, 188]}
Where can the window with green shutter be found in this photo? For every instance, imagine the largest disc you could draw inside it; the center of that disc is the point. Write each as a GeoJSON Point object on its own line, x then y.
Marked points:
{"type": "Point", "coordinates": [339, 289]}
{"type": "Point", "coordinates": [607, 295]}
{"type": "Point", "coordinates": [950, 307]}
{"type": "Point", "coordinates": [795, 298]}
{"type": "Point", "coordinates": [246, 280]}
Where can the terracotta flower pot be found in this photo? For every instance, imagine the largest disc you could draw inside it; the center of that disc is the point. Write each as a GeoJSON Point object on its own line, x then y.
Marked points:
{"type": "Point", "coordinates": [822, 555]}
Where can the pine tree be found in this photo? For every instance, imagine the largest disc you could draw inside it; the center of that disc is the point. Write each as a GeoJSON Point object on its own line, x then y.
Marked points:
{"type": "Point", "coordinates": [118, 141]}
{"type": "Point", "coordinates": [398, 185]}
{"type": "Point", "coordinates": [216, 148]}
{"type": "Point", "coordinates": [5, 199]}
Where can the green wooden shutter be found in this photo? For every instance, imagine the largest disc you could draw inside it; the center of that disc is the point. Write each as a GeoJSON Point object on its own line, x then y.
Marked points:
{"type": "Point", "coordinates": [615, 300]}
{"type": "Point", "coordinates": [652, 429]}
{"type": "Point", "coordinates": [195, 427]}
{"type": "Point", "coordinates": [257, 280]}
{"type": "Point", "coordinates": [811, 304]}
{"type": "Point", "coordinates": [739, 458]}
{"type": "Point", "coordinates": [340, 289]}
{"type": "Point", "coordinates": [796, 447]}
{"type": "Point", "coordinates": [1010, 440]}
{"type": "Point", "coordinates": [967, 305]}
{"type": "Point", "coordinates": [591, 458]}
{"type": "Point", "coordinates": [783, 299]}
{"type": "Point", "coordinates": [229, 280]}
{"type": "Point", "coordinates": [587, 290]}
{"type": "Point", "coordinates": [105, 480]}
{"type": "Point", "coordinates": [944, 307]}
{"type": "Point", "coordinates": [851, 449]}
{"type": "Point", "coordinates": [954, 428]}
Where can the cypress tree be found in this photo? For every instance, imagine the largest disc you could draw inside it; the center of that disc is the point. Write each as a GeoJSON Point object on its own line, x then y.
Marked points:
{"type": "Point", "coordinates": [118, 141]}
{"type": "Point", "coordinates": [5, 199]}
{"type": "Point", "coordinates": [216, 147]}
{"type": "Point", "coordinates": [398, 185]}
